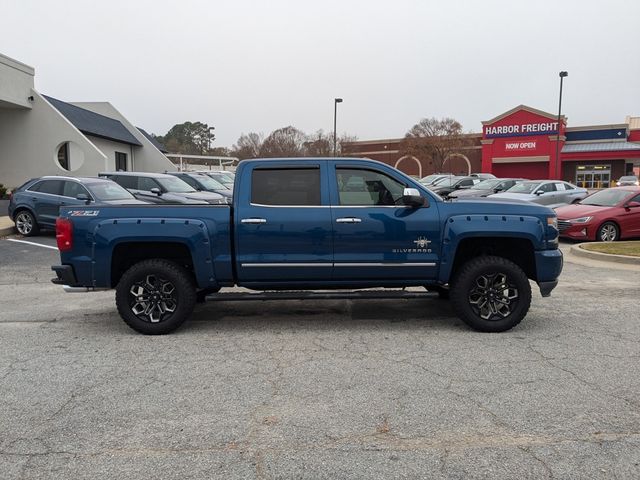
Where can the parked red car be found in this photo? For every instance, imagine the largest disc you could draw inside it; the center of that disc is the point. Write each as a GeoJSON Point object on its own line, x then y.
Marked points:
{"type": "Point", "coordinates": [605, 216]}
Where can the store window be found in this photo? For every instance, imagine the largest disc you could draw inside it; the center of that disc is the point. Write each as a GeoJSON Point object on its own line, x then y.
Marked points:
{"type": "Point", "coordinates": [121, 162]}
{"type": "Point", "coordinates": [593, 176]}
{"type": "Point", "coordinates": [63, 156]}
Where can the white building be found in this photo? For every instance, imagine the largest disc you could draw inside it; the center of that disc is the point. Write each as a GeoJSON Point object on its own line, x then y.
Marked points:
{"type": "Point", "coordinates": [40, 135]}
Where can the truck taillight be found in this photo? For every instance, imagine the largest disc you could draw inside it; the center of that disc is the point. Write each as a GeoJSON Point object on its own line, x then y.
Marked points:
{"type": "Point", "coordinates": [64, 234]}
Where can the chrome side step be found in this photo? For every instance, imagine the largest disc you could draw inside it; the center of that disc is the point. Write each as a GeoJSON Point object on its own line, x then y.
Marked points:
{"type": "Point", "coordinates": [324, 295]}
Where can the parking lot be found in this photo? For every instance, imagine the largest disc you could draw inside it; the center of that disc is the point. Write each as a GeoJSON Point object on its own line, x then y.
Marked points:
{"type": "Point", "coordinates": [322, 389]}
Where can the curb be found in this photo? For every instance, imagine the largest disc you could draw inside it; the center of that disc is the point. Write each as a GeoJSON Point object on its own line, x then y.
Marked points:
{"type": "Point", "coordinates": [578, 251]}
{"type": "Point", "coordinates": [6, 230]}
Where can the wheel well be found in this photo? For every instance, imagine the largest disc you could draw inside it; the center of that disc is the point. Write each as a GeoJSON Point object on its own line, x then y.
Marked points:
{"type": "Point", "coordinates": [608, 221]}
{"type": "Point", "coordinates": [518, 250]}
{"type": "Point", "coordinates": [20, 209]}
{"type": "Point", "coordinates": [128, 254]}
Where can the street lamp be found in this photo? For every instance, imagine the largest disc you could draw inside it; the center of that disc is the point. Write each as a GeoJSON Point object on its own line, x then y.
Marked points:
{"type": "Point", "coordinates": [562, 75]}
{"type": "Point", "coordinates": [336, 101]}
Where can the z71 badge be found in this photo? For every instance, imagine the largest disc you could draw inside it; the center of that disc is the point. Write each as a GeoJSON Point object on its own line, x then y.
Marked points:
{"type": "Point", "coordinates": [84, 213]}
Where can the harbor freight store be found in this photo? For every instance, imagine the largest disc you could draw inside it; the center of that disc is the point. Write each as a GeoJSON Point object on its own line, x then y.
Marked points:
{"type": "Point", "coordinates": [522, 143]}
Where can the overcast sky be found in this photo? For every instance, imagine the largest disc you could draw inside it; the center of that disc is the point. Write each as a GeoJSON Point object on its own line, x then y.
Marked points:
{"type": "Point", "coordinates": [259, 65]}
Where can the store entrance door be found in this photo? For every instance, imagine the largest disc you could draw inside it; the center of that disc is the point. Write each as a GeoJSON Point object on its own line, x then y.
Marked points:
{"type": "Point", "coordinates": [593, 176]}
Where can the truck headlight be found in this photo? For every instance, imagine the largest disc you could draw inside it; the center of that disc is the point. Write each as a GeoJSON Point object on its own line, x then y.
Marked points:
{"type": "Point", "coordinates": [580, 220]}
{"type": "Point", "coordinates": [552, 222]}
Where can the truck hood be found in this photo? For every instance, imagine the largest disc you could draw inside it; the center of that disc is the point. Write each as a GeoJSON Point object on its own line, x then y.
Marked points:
{"type": "Point", "coordinates": [497, 206]}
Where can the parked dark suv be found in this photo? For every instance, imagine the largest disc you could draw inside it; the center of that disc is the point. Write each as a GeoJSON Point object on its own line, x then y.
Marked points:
{"type": "Point", "coordinates": [203, 182]}
{"type": "Point", "coordinates": [448, 185]}
{"type": "Point", "coordinates": [162, 188]}
{"type": "Point", "coordinates": [36, 204]}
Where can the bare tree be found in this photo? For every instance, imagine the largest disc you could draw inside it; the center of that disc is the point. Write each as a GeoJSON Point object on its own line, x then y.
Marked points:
{"type": "Point", "coordinates": [247, 146]}
{"type": "Point", "coordinates": [320, 144]}
{"type": "Point", "coordinates": [434, 139]}
{"type": "Point", "coordinates": [284, 142]}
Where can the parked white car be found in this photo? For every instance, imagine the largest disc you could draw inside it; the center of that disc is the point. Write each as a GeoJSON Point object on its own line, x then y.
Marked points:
{"type": "Point", "coordinates": [545, 192]}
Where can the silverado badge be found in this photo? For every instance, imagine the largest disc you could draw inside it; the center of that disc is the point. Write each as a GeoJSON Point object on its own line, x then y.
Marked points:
{"type": "Point", "coordinates": [422, 246]}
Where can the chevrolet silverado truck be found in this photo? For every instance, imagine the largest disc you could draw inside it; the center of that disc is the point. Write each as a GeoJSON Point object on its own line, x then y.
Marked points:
{"type": "Point", "coordinates": [313, 228]}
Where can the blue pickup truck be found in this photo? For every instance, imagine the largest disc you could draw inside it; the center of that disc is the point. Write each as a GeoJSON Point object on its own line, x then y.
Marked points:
{"type": "Point", "coordinates": [308, 226]}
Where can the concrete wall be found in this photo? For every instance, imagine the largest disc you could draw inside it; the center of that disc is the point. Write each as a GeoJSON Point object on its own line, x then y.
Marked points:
{"type": "Point", "coordinates": [16, 82]}
{"type": "Point", "coordinates": [147, 158]}
{"type": "Point", "coordinates": [109, 148]}
{"type": "Point", "coordinates": [30, 139]}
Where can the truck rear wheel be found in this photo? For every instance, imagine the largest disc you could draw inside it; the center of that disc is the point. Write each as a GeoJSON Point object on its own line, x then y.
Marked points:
{"type": "Point", "coordinates": [491, 294]}
{"type": "Point", "coordinates": [155, 296]}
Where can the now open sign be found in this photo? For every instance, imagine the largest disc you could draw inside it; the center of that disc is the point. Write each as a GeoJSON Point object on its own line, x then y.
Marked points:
{"type": "Point", "coordinates": [518, 146]}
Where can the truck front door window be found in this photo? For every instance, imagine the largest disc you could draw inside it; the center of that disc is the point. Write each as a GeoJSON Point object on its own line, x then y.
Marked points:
{"type": "Point", "coordinates": [367, 188]}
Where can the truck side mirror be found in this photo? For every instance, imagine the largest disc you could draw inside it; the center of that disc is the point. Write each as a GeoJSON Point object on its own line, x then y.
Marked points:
{"type": "Point", "coordinates": [84, 197]}
{"type": "Point", "coordinates": [412, 198]}
{"type": "Point", "coordinates": [156, 190]}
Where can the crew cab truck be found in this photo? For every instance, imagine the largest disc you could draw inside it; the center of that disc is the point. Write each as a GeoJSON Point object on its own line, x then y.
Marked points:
{"type": "Point", "coordinates": [312, 224]}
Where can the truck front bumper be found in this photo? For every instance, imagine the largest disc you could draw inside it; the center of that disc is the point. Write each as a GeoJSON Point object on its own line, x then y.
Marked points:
{"type": "Point", "coordinates": [548, 268]}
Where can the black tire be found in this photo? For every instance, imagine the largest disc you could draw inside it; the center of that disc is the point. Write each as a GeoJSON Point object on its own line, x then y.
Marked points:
{"type": "Point", "coordinates": [26, 223]}
{"type": "Point", "coordinates": [165, 296]}
{"type": "Point", "coordinates": [491, 294]}
{"type": "Point", "coordinates": [608, 232]}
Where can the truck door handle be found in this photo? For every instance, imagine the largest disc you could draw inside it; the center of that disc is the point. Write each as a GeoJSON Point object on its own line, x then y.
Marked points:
{"type": "Point", "coordinates": [348, 220]}
{"type": "Point", "coordinates": [253, 220]}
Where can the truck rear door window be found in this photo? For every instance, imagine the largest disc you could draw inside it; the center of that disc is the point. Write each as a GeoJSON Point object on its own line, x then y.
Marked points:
{"type": "Point", "coordinates": [286, 186]}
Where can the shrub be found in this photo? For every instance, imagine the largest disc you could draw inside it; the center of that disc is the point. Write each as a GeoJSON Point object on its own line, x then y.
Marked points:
{"type": "Point", "coordinates": [3, 191]}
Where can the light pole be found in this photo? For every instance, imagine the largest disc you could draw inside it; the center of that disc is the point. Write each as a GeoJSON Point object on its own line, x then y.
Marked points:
{"type": "Point", "coordinates": [562, 75]}
{"type": "Point", "coordinates": [336, 101]}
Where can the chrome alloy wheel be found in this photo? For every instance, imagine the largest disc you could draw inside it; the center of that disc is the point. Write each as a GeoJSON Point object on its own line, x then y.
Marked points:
{"type": "Point", "coordinates": [153, 300]}
{"type": "Point", "coordinates": [24, 223]}
{"type": "Point", "coordinates": [608, 233]}
{"type": "Point", "coordinates": [493, 297]}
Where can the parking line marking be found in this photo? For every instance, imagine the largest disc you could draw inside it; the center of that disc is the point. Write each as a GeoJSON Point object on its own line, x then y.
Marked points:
{"type": "Point", "coordinates": [32, 243]}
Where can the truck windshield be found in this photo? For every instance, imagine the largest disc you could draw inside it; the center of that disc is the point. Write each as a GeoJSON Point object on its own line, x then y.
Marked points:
{"type": "Point", "coordinates": [174, 184]}
{"type": "Point", "coordinates": [524, 187]}
{"type": "Point", "coordinates": [606, 198]}
{"type": "Point", "coordinates": [108, 191]}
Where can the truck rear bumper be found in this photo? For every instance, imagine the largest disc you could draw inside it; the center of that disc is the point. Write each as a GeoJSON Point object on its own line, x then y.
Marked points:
{"type": "Point", "coordinates": [64, 275]}
{"type": "Point", "coordinates": [548, 268]}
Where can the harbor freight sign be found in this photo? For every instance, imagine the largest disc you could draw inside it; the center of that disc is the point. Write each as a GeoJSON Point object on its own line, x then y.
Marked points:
{"type": "Point", "coordinates": [520, 130]}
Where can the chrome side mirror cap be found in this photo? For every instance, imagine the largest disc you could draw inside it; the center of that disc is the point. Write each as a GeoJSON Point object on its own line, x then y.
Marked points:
{"type": "Point", "coordinates": [411, 197]}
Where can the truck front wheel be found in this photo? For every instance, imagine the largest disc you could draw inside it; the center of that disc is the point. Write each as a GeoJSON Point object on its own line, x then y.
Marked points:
{"type": "Point", "coordinates": [491, 294]}
{"type": "Point", "coordinates": [155, 296]}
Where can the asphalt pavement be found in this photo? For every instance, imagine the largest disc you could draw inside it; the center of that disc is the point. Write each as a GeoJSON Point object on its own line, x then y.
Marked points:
{"type": "Point", "coordinates": [317, 389]}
